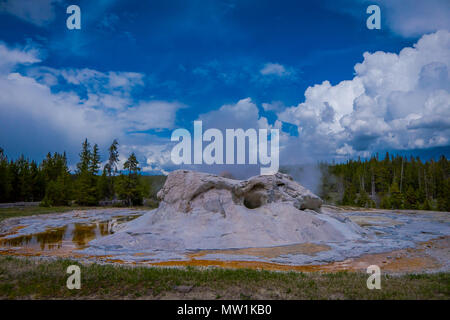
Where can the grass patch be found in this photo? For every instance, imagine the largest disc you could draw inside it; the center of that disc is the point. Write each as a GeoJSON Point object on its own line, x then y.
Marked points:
{"type": "Point", "coordinates": [6, 213]}
{"type": "Point", "coordinates": [22, 278]}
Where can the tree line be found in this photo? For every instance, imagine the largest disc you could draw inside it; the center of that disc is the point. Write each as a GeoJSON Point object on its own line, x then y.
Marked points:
{"type": "Point", "coordinates": [52, 183]}
{"type": "Point", "coordinates": [395, 182]}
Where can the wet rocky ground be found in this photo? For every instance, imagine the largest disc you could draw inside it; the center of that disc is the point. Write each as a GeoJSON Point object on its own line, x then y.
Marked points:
{"type": "Point", "coordinates": [397, 241]}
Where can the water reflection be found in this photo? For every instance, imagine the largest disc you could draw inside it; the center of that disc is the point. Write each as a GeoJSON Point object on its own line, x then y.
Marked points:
{"type": "Point", "coordinates": [82, 234]}
{"type": "Point", "coordinates": [74, 235]}
{"type": "Point", "coordinates": [52, 238]}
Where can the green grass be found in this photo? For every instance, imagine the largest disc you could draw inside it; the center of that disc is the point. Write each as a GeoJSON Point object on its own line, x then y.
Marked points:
{"type": "Point", "coordinates": [6, 213]}
{"type": "Point", "coordinates": [23, 278]}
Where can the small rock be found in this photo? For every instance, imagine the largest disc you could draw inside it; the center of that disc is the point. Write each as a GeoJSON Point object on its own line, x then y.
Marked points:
{"type": "Point", "coordinates": [183, 289]}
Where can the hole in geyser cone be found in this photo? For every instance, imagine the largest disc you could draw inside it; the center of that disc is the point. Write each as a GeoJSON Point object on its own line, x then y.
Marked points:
{"type": "Point", "coordinates": [254, 200]}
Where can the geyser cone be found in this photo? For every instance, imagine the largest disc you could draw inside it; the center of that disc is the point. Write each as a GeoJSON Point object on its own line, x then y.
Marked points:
{"type": "Point", "coordinates": [205, 211]}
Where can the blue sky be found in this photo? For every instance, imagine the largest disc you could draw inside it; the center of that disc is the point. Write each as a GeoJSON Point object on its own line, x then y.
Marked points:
{"type": "Point", "coordinates": [139, 69]}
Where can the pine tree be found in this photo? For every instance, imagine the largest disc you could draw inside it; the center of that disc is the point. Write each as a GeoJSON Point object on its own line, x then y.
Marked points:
{"type": "Point", "coordinates": [94, 163]}
{"type": "Point", "coordinates": [59, 191]}
{"type": "Point", "coordinates": [86, 188]}
{"type": "Point", "coordinates": [111, 167]}
{"type": "Point", "coordinates": [410, 198]}
{"type": "Point", "coordinates": [5, 179]}
{"type": "Point", "coordinates": [349, 196]}
{"type": "Point", "coordinates": [396, 198]}
{"type": "Point", "coordinates": [37, 185]}
{"type": "Point", "coordinates": [15, 181]}
{"type": "Point", "coordinates": [25, 186]}
{"type": "Point", "coordinates": [85, 157]}
{"type": "Point", "coordinates": [103, 186]}
{"type": "Point", "coordinates": [129, 186]}
{"type": "Point", "coordinates": [426, 205]}
{"type": "Point", "coordinates": [443, 202]}
{"type": "Point", "coordinates": [364, 200]}
{"type": "Point", "coordinates": [386, 203]}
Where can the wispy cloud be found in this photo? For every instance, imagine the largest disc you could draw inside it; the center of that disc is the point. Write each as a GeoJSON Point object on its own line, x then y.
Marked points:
{"type": "Point", "coordinates": [274, 69]}
{"type": "Point", "coordinates": [407, 18]}
{"type": "Point", "coordinates": [39, 12]}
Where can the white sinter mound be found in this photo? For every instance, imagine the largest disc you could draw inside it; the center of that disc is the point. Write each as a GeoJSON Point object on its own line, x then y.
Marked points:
{"type": "Point", "coordinates": [204, 211]}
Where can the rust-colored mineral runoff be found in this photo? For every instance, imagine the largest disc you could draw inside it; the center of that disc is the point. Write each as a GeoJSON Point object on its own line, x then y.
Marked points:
{"type": "Point", "coordinates": [398, 261]}
{"type": "Point", "coordinates": [268, 252]}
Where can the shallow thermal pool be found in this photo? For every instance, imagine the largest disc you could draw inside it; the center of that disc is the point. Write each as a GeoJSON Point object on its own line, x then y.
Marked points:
{"type": "Point", "coordinates": [61, 233]}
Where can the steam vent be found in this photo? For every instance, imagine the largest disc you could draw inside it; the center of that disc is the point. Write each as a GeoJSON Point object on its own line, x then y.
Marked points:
{"type": "Point", "coordinates": [205, 211]}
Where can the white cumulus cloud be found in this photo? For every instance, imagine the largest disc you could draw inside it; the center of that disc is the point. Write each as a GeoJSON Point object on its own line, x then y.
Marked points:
{"type": "Point", "coordinates": [37, 118]}
{"type": "Point", "coordinates": [398, 101]}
